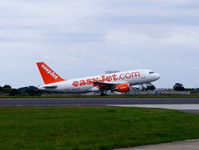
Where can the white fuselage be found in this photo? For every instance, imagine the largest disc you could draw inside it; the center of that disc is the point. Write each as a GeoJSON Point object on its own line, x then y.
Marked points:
{"type": "Point", "coordinates": [132, 77]}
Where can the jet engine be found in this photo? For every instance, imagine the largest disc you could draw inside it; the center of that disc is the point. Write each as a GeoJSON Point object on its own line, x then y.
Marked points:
{"type": "Point", "coordinates": [124, 87]}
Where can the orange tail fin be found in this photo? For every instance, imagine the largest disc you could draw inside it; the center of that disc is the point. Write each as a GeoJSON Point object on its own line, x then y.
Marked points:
{"type": "Point", "coordinates": [48, 75]}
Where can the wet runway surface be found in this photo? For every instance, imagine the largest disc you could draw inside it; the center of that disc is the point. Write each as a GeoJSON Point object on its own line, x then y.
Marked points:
{"type": "Point", "coordinates": [92, 102]}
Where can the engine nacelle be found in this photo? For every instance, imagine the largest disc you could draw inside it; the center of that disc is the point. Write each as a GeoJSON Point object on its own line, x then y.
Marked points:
{"type": "Point", "coordinates": [125, 87]}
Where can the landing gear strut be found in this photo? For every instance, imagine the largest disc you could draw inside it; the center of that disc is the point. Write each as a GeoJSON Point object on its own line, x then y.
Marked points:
{"type": "Point", "coordinates": [103, 93]}
{"type": "Point", "coordinates": [141, 87]}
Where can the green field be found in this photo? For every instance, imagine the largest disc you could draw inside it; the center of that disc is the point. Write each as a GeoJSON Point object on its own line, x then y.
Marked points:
{"type": "Point", "coordinates": [92, 128]}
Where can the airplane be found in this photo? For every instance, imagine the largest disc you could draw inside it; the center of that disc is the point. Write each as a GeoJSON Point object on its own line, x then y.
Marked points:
{"type": "Point", "coordinates": [120, 81]}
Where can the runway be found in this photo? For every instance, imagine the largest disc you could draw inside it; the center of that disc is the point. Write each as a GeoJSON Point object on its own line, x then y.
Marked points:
{"type": "Point", "coordinates": [190, 105]}
{"type": "Point", "coordinates": [54, 102]}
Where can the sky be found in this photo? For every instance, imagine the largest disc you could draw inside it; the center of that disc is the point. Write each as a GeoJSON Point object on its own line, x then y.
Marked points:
{"type": "Point", "coordinates": [79, 38]}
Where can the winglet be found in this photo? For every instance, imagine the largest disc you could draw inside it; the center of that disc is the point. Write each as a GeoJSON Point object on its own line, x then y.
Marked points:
{"type": "Point", "coordinates": [48, 75]}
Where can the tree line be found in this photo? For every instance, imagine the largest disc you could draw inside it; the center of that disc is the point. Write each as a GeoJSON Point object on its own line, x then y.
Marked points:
{"type": "Point", "coordinates": [7, 90]}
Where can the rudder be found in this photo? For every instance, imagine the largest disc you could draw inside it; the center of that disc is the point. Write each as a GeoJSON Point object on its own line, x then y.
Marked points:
{"type": "Point", "coordinates": [48, 75]}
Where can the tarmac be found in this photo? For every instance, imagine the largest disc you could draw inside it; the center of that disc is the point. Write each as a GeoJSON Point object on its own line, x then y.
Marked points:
{"type": "Point", "coordinates": [190, 105]}
{"type": "Point", "coordinates": [31, 102]}
{"type": "Point", "coordinates": [189, 108]}
{"type": "Point", "coordinates": [180, 145]}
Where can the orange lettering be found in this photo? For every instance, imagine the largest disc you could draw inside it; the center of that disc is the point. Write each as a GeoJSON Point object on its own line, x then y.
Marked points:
{"type": "Point", "coordinates": [135, 74]}
{"type": "Point", "coordinates": [122, 76]}
{"type": "Point", "coordinates": [108, 78]}
{"type": "Point", "coordinates": [114, 77]}
{"type": "Point", "coordinates": [89, 82]}
{"type": "Point", "coordinates": [95, 79]}
{"type": "Point", "coordinates": [75, 84]}
{"type": "Point", "coordinates": [103, 78]}
{"type": "Point", "coordinates": [82, 82]}
{"type": "Point", "coordinates": [127, 75]}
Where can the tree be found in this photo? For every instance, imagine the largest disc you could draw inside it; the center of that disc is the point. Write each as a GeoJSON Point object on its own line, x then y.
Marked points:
{"type": "Point", "coordinates": [14, 92]}
{"type": "Point", "coordinates": [30, 91]}
{"type": "Point", "coordinates": [178, 87]}
{"type": "Point", "coordinates": [6, 89]}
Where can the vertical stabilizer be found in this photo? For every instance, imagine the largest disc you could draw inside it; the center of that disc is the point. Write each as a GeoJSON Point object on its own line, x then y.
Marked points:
{"type": "Point", "coordinates": [48, 75]}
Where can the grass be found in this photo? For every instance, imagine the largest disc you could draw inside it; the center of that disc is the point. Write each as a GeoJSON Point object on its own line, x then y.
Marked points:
{"type": "Point", "coordinates": [92, 128]}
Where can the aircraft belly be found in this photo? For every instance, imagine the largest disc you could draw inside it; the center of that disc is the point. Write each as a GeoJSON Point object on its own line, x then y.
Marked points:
{"type": "Point", "coordinates": [82, 89]}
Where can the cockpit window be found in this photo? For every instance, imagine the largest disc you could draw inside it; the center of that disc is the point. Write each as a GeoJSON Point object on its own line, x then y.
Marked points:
{"type": "Point", "coordinates": [151, 72]}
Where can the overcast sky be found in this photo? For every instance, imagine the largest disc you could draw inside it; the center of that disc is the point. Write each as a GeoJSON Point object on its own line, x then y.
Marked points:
{"type": "Point", "coordinates": [80, 38]}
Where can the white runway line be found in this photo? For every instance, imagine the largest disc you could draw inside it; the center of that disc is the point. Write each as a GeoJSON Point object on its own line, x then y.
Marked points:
{"type": "Point", "coordinates": [164, 106]}
{"type": "Point", "coordinates": [181, 145]}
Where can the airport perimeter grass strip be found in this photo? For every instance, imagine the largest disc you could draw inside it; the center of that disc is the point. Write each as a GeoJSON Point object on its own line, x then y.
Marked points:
{"type": "Point", "coordinates": [92, 128]}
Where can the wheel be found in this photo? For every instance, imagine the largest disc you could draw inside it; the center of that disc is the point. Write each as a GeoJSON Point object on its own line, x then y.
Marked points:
{"type": "Point", "coordinates": [103, 93]}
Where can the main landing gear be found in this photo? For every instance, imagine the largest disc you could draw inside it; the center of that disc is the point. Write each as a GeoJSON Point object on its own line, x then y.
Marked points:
{"type": "Point", "coordinates": [103, 93]}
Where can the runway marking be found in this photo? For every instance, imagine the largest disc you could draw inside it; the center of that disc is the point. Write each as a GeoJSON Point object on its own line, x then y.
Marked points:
{"type": "Point", "coordinates": [164, 106]}
{"type": "Point", "coordinates": [179, 145]}
{"type": "Point", "coordinates": [57, 105]}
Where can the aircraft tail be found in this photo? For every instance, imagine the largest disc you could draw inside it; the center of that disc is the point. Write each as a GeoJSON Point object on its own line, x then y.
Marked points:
{"type": "Point", "coordinates": [48, 75]}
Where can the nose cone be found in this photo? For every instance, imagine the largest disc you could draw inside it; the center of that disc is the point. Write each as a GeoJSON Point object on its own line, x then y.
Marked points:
{"type": "Point", "coordinates": [157, 76]}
